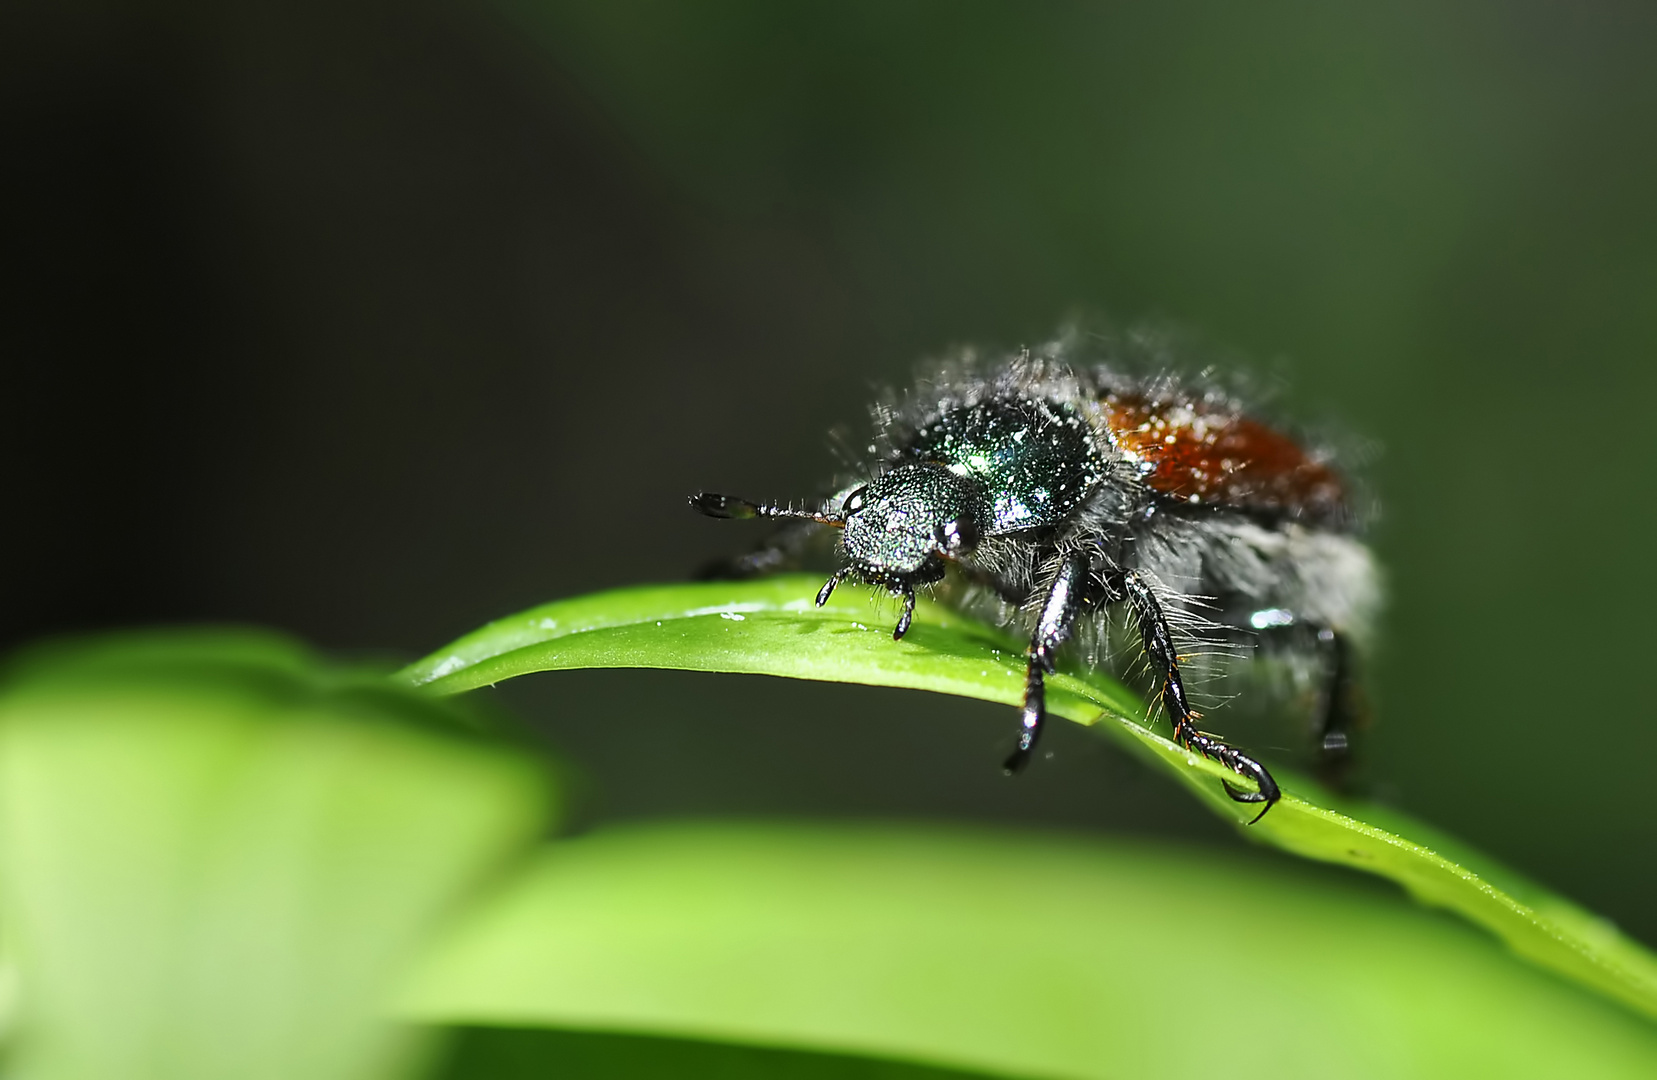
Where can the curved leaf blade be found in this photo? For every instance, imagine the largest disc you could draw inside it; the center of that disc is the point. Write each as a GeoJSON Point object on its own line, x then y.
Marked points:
{"type": "Point", "coordinates": [1022, 954]}
{"type": "Point", "coordinates": [771, 627]}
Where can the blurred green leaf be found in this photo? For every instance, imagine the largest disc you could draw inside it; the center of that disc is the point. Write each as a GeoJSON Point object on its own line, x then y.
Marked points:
{"type": "Point", "coordinates": [1020, 955]}
{"type": "Point", "coordinates": [215, 854]}
{"type": "Point", "coordinates": [771, 627]}
{"type": "Point", "coordinates": [518, 1053]}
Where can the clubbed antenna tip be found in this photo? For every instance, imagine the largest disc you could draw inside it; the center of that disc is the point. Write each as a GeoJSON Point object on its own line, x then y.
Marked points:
{"type": "Point", "coordinates": [730, 507]}
{"type": "Point", "coordinates": [722, 506]}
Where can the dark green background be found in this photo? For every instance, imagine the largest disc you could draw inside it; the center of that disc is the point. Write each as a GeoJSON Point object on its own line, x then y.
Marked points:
{"type": "Point", "coordinates": [376, 320]}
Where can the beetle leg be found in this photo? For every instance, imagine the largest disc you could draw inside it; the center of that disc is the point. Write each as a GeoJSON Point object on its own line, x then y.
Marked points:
{"type": "Point", "coordinates": [1340, 706]}
{"type": "Point", "coordinates": [1058, 618]}
{"type": "Point", "coordinates": [907, 591]}
{"type": "Point", "coordinates": [1131, 586]}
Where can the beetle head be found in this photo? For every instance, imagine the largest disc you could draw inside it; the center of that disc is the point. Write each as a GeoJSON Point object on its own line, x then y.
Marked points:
{"type": "Point", "coordinates": [901, 524]}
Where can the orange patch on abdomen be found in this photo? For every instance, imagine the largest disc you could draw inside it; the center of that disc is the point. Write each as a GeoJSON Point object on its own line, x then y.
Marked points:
{"type": "Point", "coordinates": [1203, 454]}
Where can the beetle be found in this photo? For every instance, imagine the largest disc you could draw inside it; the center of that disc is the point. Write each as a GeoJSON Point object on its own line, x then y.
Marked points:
{"type": "Point", "coordinates": [1068, 482]}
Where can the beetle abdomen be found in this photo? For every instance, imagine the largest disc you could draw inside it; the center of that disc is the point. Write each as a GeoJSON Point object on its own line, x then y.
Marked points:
{"type": "Point", "coordinates": [1194, 451]}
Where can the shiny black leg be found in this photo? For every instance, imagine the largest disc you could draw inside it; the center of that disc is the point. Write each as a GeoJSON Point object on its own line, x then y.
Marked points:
{"type": "Point", "coordinates": [780, 551]}
{"type": "Point", "coordinates": [1339, 711]}
{"type": "Point", "coordinates": [1058, 618]}
{"type": "Point", "coordinates": [1129, 586]}
{"type": "Point", "coordinates": [906, 592]}
{"type": "Point", "coordinates": [827, 590]}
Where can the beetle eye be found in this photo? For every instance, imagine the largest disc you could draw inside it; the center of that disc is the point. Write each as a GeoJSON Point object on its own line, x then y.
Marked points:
{"type": "Point", "coordinates": [854, 501]}
{"type": "Point", "coordinates": [958, 535]}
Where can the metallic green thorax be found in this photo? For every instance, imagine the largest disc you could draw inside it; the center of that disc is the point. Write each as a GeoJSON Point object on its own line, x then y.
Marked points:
{"type": "Point", "coordinates": [1001, 466]}
{"type": "Point", "coordinates": [1033, 462]}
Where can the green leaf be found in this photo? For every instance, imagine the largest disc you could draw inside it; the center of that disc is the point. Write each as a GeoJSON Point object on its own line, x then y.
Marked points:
{"type": "Point", "coordinates": [771, 627]}
{"type": "Point", "coordinates": [521, 1053]}
{"type": "Point", "coordinates": [216, 854]}
{"type": "Point", "coordinates": [1018, 955]}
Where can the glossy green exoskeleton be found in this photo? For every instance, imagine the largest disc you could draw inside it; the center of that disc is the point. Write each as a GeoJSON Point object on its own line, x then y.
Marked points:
{"type": "Point", "coordinates": [1065, 492]}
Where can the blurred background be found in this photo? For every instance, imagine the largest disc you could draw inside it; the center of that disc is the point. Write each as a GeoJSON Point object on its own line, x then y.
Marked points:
{"type": "Point", "coordinates": [375, 321]}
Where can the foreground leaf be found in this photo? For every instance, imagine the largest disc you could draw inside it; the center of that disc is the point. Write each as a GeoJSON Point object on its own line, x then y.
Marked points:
{"type": "Point", "coordinates": [771, 627]}
{"type": "Point", "coordinates": [536, 1053]}
{"type": "Point", "coordinates": [1020, 955]}
{"type": "Point", "coordinates": [216, 854]}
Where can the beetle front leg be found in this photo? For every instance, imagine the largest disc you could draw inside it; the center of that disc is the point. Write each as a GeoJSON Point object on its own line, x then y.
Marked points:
{"type": "Point", "coordinates": [1058, 618]}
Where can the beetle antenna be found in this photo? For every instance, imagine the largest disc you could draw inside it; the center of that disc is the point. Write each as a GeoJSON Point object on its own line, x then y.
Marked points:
{"type": "Point", "coordinates": [730, 507]}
